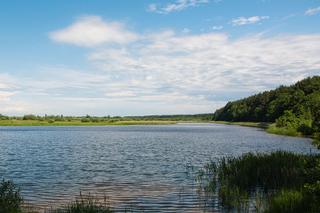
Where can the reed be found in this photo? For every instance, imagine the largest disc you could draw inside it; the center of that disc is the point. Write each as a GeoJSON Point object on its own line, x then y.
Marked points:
{"type": "Point", "coordinates": [238, 181]}
{"type": "Point", "coordinates": [10, 198]}
{"type": "Point", "coordinates": [84, 204]}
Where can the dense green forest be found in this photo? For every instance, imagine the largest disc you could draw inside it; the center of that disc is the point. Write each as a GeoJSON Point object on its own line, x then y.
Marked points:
{"type": "Point", "coordinates": [295, 107]}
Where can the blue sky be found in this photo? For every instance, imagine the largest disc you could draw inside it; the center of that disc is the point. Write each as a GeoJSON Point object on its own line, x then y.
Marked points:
{"type": "Point", "coordinates": [151, 57]}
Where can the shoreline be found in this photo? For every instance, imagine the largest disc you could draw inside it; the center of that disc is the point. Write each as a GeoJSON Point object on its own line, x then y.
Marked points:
{"type": "Point", "coordinates": [267, 127]}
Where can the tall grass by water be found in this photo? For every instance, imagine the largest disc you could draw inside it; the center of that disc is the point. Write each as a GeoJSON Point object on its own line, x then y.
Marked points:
{"type": "Point", "coordinates": [84, 204]}
{"type": "Point", "coordinates": [275, 182]}
{"type": "Point", "coordinates": [11, 201]}
{"type": "Point", "coordinates": [10, 198]}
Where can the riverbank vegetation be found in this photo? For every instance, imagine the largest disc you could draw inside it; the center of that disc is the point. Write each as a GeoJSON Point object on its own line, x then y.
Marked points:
{"type": "Point", "coordinates": [60, 120]}
{"type": "Point", "coordinates": [10, 198]}
{"type": "Point", "coordinates": [262, 125]}
{"type": "Point", "coordinates": [84, 204]}
{"type": "Point", "coordinates": [294, 110]}
{"type": "Point", "coordinates": [11, 201]}
{"type": "Point", "coordinates": [276, 182]}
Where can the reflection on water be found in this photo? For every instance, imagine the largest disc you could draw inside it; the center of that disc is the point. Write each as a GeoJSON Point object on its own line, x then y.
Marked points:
{"type": "Point", "coordinates": [135, 167]}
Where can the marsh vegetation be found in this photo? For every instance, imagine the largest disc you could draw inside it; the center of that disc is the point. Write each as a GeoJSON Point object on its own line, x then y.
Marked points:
{"type": "Point", "coordinates": [276, 182]}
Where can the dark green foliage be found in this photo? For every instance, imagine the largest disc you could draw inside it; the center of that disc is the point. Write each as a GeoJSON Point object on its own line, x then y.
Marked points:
{"type": "Point", "coordinates": [10, 199]}
{"type": "Point", "coordinates": [30, 117]}
{"type": "Point", "coordinates": [302, 99]}
{"type": "Point", "coordinates": [85, 120]}
{"type": "Point", "coordinates": [3, 117]}
{"type": "Point", "coordinates": [284, 181]}
{"type": "Point", "coordinates": [289, 121]}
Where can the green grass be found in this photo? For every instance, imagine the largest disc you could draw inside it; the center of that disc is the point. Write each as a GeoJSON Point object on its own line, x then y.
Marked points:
{"type": "Point", "coordinates": [283, 131]}
{"type": "Point", "coordinates": [80, 123]}
{"type": "Point", "coordinates": [277, 180]}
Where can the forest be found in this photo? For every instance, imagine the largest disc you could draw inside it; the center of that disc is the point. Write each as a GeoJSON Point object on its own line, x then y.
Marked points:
{"type": "Point", "coordinates": [295, 107]}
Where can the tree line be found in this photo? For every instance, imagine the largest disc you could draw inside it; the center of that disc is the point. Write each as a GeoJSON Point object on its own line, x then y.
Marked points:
{"type": "Point", "coordinates": [296, 106]}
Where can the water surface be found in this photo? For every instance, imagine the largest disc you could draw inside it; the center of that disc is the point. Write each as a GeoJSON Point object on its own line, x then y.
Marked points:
{"type": "Point", "coordinates": [136, 167]}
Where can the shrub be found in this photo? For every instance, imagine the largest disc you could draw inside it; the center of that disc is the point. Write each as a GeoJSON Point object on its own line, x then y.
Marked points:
{"type": "Point", "coordinates": [85, 120]}
{"type": "Point", "coordinates": [50, 121]}
{"type": "Point", "coordinates": [29, 117]}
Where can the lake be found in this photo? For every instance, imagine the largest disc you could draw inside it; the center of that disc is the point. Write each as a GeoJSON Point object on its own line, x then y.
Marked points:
{"type": "Point", "coordinates": [134, 167]}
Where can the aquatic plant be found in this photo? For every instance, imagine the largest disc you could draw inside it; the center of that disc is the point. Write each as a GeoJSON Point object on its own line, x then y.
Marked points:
{"type": "Point", "coordinates": [263, 181]}
{"type": "Point", "coordinates": [10, 198]}
{"type": "Point", "coordinates": [84, 204]}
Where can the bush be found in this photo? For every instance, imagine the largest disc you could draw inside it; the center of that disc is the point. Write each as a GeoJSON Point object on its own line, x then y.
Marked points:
{"type": "Point", "coordinates": [95, 119]}
{"type": "Point", "coordinates": [50, 121]}
{"type": "Point", "coordinates": [10, 198]}
{"type": "Point", "coordinates": [85, 120]}
{"type": "Point", "coordinates": [3, 117]}
{"type": "Point", "coordinates": [305, 129]}
{"type": "Point", "coordinates": [29, 117]}
{"type": "Point", "coordinates": [282, 131]}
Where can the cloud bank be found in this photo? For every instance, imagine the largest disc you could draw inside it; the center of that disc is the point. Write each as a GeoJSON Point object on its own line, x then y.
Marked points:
{"type": "Point", "coordinates": [162, 72]}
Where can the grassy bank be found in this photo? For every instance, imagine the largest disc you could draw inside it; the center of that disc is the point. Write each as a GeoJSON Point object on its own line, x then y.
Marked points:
{"type": "Point", "coordinates": [273, 129]}
{"type": "Point", "coordinates": [276, 182]}
{"type": "Point", "coordinates": [248, 124]}
{"type": "Point", "coordinates": [81, 123]}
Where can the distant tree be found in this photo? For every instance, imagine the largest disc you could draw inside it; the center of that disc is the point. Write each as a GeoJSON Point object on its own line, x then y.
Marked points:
{"type": "Point", "coordinates": [29, 117]}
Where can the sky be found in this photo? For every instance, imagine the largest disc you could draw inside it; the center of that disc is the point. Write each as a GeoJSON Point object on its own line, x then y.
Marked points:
{"type": "Point", "coordinates": [138, 57]}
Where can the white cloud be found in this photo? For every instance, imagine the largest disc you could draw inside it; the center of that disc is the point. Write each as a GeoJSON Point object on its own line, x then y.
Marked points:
{"type": "Point", "coordinates": [248, 20]}
{"type": "Point", "coordinates": [4, 95]}
{"type": "Point", "coordinates": [217, 27]}
{"type": "Point", "coordinates": [195, 68]}
{"type": "Point", "coordinates": [167, 73]}
{"type": "Point", "coordinates": [178, 5]}
{"type": "Point", "coordinates": [91, 31]}
{"type": "Point", "coordinates": [312, 11]}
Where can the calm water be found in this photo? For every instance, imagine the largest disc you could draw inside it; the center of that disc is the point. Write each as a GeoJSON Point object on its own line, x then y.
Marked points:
{"type": "Point", "coordinates": [136, 167]}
